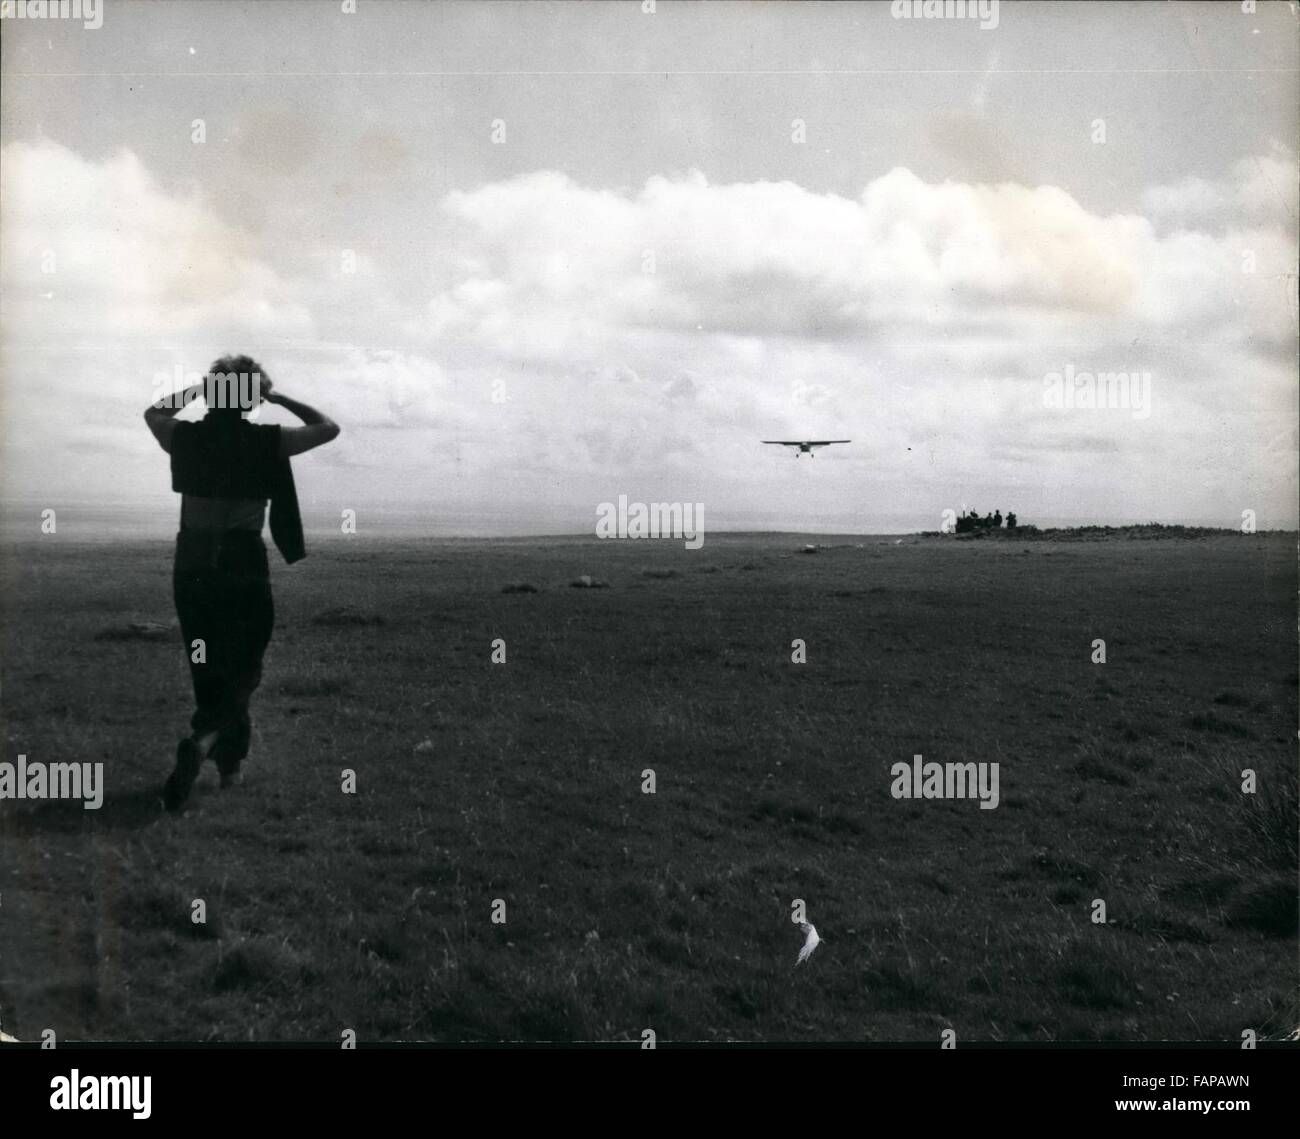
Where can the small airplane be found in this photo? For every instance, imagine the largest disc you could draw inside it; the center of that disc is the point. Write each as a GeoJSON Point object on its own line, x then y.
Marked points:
{"type": "Point", "coordinates": [806, 445]}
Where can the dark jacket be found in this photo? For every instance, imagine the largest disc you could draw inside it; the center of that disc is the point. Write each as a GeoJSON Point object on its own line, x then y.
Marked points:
{"type": "Point", "coordinates": [217, 457]}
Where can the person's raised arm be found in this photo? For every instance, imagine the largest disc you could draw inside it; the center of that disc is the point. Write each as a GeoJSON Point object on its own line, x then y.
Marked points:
{"type": "Point", "coordinates": [160, 416]}
{"type": "Point", "coordinates": [320, 428]}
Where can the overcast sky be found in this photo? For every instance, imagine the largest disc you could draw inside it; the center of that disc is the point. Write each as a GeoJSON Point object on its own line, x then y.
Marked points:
{"type": "Point", "coordinates": [535, 256]}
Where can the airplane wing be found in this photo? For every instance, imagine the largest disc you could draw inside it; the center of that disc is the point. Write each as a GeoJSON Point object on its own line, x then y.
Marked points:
{"type": "Point", "coordinates": [826, 442]}
{"type": "Point", "coordinates": [783, 442]}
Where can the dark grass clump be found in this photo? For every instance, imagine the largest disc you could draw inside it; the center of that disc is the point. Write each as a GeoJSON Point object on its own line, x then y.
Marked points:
{"type": "Point", "coordinates": [342, 617]}
{"type": "Point", "coordinates": [313, 686]}
{"type": "Point", "coordinates": [1272, 818]}
{"type": "Point", "coordinates": [1271, 908]}
{"type": "Point", "coordinates": [1165, 926]}
{"type": "Point", "coordinates": [1217, 725]}
{"type": "Point", "coordinates": [1090, 976]}
{"type": "Point", "coordinates": [165, 909]}
{"type": "Point", "coordinates": [259, 964]}
{"type": "Point", "coordinates": [151, 631]}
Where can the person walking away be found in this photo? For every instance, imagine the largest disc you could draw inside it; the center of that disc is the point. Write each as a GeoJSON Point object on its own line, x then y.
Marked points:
{"type": "Point", "coordinates": [226, 469]}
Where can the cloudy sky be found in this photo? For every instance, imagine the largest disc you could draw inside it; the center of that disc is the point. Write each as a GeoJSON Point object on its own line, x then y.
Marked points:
{"type": "Point", "coordinates": [535, 256]}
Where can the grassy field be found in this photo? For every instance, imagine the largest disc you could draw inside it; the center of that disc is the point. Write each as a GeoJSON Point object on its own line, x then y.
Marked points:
{"type": "Point", "coordinates": [522, 782]}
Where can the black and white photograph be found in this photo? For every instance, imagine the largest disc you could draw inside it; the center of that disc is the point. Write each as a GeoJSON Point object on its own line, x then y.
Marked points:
{"type": "Point", "coordinates": [641, 523]}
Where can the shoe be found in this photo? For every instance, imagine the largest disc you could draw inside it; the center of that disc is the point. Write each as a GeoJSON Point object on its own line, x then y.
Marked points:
{"type": "Point", "coordinates": [232, 779]}
{"type": "Point", "coordinates": [188, 761]}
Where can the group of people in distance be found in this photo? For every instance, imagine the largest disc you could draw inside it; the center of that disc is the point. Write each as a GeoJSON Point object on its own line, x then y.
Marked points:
{"type": "Point", "coordinates": [972, 521]}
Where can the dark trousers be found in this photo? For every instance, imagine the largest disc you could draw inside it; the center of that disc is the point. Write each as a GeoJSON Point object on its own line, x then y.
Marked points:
{"type": "Point", "coordinates": [222, 587]}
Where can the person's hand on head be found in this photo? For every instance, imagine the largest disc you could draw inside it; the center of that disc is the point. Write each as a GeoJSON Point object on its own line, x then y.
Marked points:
{"type": "Point", "coordinates": [267, 390]}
